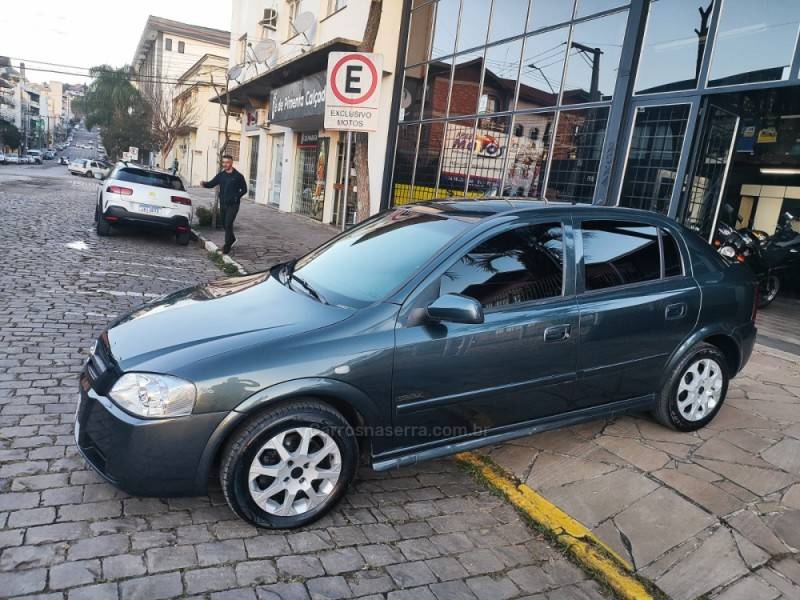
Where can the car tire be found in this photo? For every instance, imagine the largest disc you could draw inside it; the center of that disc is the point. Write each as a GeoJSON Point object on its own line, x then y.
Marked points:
{"type": "Point", "coordinates": [103, 226]}
{"type": "Point", "coordinates": [88, 174]}
{"type": "Point", "coordinates": [182, 238]}
{"type": "Point", "coordinates": [289, 426]}
{"type": "Point", "coordinates": [695, 391]}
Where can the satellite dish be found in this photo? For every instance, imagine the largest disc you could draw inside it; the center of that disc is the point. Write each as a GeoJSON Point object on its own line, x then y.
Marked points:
{"type": "Point", "coordinates": [304, 21]}
{"type": "Point", "coordinates": [234, 71]}
{"type": "Point", "coordinates": [407, 99]}
{"type": "Point", "coordinates": [264, 50]}
{"type": "Point", "coordinates": [5, 84]}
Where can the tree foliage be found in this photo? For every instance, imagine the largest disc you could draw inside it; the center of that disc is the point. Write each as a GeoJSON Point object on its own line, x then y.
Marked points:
{"type": "Point", "coordinates": [10, 135]}
{"type": "Point", "coordinates": [118, 107]}
{"type": "Point", "coordinates": [172, 115]}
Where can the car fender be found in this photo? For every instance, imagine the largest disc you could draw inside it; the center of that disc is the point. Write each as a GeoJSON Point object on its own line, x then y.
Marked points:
{"type": "Point", "coordinates": [698, 336]}
{"type": "Point", "coordinates": [319, 387]}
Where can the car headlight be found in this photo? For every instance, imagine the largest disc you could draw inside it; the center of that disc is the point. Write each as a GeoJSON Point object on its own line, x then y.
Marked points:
{"type": "Point", "coordinates": [727, 251]}
{"type": "Point", "coordinates": [154, 396]}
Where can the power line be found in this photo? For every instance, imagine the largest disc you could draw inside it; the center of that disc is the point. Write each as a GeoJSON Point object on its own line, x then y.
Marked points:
{"type": "Point", "coordinates": [128, 77]}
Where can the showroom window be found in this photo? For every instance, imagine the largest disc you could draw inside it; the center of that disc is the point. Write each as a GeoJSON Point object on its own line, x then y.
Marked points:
{"type": "Point", "coordinates": [521, 265]}
{"type": "Point", "coordinates": [619, 253]}
{"type": "Point", "coordinates": [478, 71]}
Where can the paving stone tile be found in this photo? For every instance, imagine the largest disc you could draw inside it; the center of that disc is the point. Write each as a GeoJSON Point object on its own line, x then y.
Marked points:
{"type": "Point", "coordinates": [210, 579]}
{"type": "Point", "coordinates": [749, 588]}
{"type": "Point", "coordinates": [750, 525]}
{"type": "Point", "coordinates": [74, 573]}
{"type": "Point", "coordinates": [411, 574]}
{"type": "Point", "coordinates": [758, 480]}
{"type": "Point", "coordinates": [451, 590]}
{"type": "Point", "coordinates": [328, 588]}
{"type": "Point", "coordinates": [691, 577]}
{"type": "Point", "coordinates": [154, 587]}
{"type": "Point", "coordinates": [550, 470]}
{"type": "Point", "coordinates": [101, 591]}
{"type": "Point", "coordinates": [363, 583]}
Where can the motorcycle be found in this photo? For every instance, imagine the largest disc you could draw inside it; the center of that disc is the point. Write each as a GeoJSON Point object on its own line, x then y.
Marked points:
{"type": "Point", "coordinates": [774, 259]}
{"type": "Point", "coordinates": [778, 259]}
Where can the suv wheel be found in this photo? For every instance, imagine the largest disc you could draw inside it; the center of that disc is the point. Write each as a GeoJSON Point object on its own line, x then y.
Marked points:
{"type": "Point", "coordinates": [182, 238]}
{"type": "Point", "coordinates": [89, 174]}
{"type": "Point", "coordinates": [694, 393]}
{"type": "Point", "coordinates": [289, 466]}
{"type": "Point", "coordinates": [103, 226]}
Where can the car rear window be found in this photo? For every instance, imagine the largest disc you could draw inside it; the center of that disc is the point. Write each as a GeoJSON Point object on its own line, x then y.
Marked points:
{"type": "Point", "coordinates": [141, 176]}
{"type": "Point", "coordinates": [619, 253]}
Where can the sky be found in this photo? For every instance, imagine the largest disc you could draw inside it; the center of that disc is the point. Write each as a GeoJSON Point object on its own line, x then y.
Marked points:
{"type": "Point", "coordinates": [90, 32]}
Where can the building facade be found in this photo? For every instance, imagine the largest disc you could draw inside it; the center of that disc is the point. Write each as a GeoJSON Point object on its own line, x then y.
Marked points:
{"type": "Point", "coordinates": [166, 50]}
{"type": "Point", "coordinates": [278, 59]}
{"type": "Point", "coordinates": [196, 151]}
{"type": "Point", "coordinates": [686, 107]}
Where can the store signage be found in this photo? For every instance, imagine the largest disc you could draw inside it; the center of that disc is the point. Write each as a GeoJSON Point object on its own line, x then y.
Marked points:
{"type": "Point", "coordinates": [353, 91]}
{"type": "Point", "coordinates": [297, 100]}
{"type": "Point", "coordinates": [308, 139]}
{"type": "Point", "coordinates": [133, 152]}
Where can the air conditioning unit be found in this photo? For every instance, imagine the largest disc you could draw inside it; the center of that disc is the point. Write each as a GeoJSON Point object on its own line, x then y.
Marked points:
{"type": "Point", "coordinates": [270, 20]}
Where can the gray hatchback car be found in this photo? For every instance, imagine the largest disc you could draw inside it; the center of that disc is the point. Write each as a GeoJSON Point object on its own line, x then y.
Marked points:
{"type": "Point", "coordinates": [424, 331]}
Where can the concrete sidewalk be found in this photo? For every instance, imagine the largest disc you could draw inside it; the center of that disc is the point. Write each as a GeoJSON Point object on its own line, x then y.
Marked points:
{"type": "Point", "coordinates": [264, 235]}
{"type": "Point", "coordinates": [711, 512]}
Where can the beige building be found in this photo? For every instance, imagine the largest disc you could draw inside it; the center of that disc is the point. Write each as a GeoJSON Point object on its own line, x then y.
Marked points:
{"type": "Point", "coordinates": [279, 52]}
{"type": "Point", "coordinates": [166, 51]}
{"type": "Point", "coordinates": [197, 150]}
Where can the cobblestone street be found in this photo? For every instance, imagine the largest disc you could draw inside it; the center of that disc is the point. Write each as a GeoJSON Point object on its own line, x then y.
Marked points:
{"type": "Point", "coordinates": [429, 532]}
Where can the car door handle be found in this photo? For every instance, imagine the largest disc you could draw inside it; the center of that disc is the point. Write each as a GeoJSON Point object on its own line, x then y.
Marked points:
{"type": "Point", "coordinates": [675, 311]}
{"type": "Point", "coordinates": [556, 333]}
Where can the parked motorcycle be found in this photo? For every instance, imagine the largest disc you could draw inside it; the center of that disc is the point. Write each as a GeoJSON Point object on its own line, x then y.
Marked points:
{"type": "Point", "coordinates": [774, 259]}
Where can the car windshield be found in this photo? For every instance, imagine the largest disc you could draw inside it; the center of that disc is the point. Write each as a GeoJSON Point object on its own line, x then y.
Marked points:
{"type": "Point", "coordinates": [144, 177]}
{"type": "Point", "coordinates": [370, 260]}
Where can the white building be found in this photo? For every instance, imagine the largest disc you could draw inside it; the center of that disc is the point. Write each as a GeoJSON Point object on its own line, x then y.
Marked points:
{"type": "Point", "coordinates": [167, 50]}
{"type": "Point", "coordinates": [288, 158]}
{"type": "Point", "coordinates": [197, 150]}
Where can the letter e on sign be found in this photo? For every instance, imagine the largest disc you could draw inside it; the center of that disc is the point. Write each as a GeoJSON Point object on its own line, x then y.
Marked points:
{"type": "Point", "coordinates": [352, 91]}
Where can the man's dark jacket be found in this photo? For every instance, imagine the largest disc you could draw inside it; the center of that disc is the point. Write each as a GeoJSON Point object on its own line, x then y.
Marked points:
{"type": "Point", "coordinates": [232, 186]}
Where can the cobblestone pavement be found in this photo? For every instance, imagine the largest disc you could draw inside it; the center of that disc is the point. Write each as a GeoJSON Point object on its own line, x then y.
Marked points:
{"type": "Point", "coordinates": [713, 511]}
{"type": "Point", "coordinates": [426, 533]}
{"type": "Point", "coordinates": [266, 236]}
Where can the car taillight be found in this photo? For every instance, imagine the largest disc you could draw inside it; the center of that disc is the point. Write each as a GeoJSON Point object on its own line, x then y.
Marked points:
{"type": "Point", "coordinates": [740, 258]}
{"type": "Point", "coordinates": [182, 200]}
{"type": "Point", "coordinates": [117, 189]}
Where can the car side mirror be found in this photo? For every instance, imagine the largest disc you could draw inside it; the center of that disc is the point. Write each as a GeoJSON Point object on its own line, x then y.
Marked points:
{"type": "Point", "coordinates": [456, 309]}
{"type": "Point", "coordinates": [99, 176]}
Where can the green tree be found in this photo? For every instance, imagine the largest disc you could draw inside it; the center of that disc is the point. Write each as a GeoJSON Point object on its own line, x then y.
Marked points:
{"type": "Point", "coordinates": [113, 102]}
{"type": "Point", "coordinates": [10, 135]}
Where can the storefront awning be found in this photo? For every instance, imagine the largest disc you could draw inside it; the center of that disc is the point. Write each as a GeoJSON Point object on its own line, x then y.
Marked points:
{"type": "Point", "coordinates": [258, 88]}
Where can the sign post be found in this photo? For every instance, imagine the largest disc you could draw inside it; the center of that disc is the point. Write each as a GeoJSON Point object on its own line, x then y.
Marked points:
{"type": "Point", "coordinates": [352, 100]}
{"type": "Point", "coordinates": [133, 152]}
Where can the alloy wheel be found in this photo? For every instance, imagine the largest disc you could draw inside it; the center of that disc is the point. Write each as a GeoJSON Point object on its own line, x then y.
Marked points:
{"type": "Point", "coordinates": [295, 471]}
{"type": "Point", "coordinates": [699, 389]}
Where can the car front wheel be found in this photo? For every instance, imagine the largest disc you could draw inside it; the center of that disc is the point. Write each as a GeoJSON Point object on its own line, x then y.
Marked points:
{"type": "Point", "coordinates": [289, 466]}
{"type": "Point", "coordinates": [694, 393]}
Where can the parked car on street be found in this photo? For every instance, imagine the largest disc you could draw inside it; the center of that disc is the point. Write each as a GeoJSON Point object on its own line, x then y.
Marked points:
{"type": "Point", "coordinates": [2, 158]}
{"type": "Point", "coordinates": [34, 157]}
{"type": "Point", "coordinates": [135, 194]}
{"type": "Point", "coordinates": [424, 331]}
{"type": "Point", "coordinates": [89, 168]}
{"type": "Point", "coordinates": [12, 159]}
{"type": "Point", "coordinates": [62, 160]}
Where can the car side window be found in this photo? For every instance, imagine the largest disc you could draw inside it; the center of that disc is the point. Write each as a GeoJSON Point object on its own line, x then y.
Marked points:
{"type": "Point", "coordinates": [673, 264]}
{"type": "Point", "coordinates": [619, 253]}
{"type": "Point", "coordinates": [516, 266]}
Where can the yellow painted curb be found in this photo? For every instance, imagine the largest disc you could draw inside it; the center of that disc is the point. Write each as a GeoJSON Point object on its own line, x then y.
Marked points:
{"type": "Point", "coordinates": [580, 542]}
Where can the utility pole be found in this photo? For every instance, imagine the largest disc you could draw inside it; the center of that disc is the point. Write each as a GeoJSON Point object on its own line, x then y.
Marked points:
{"type": "Point", "coordinates": [702, 35]}
{"type": "Point", "coordinates": [594, 88]}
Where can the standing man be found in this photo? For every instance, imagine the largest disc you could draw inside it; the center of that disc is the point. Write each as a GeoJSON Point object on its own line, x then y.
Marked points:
{"type": "Point", "coordinates": [232, 187]}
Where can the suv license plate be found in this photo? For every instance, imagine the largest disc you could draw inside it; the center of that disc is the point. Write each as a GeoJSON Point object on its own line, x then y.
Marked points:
{"type": "Point", "coordinates": [149, 208]}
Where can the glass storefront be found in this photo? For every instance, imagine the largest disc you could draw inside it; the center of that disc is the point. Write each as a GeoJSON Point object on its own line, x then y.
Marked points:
{"type": "Point", "coordinates": [506, 97]}
{"type": "Point", "coordinates": [310, 174]}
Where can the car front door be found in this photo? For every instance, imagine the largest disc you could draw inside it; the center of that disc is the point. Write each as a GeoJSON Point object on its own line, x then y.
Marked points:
{"type": "Point", "coordinates": [637, 304]}
{"type": "Point", "coordinates": [454, 379]}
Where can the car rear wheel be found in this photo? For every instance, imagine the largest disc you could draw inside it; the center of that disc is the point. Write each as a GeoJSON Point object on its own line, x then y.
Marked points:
{"type": "Point", "coordinates": [89, 174]}
{"type": "Point", "coordinates": [289, 466]}
{"type": "Point", "coordinates": [103, 226]}
{"type": "Point", "coordinates": [694, 393]}
{"type": "Point", "coordinates": [182, 238]}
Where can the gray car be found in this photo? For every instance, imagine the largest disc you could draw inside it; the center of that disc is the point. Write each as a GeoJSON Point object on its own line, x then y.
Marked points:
{"type": "Point", "coordinates": [422, 332]}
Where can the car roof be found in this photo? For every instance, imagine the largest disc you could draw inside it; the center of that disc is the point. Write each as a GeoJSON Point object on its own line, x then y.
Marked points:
{"type": "Point", "coordinates": [479, 209]}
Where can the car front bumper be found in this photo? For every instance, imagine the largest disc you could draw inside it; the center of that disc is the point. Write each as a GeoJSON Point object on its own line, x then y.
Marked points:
{"type": "Point", "coordinates": [144, 457]}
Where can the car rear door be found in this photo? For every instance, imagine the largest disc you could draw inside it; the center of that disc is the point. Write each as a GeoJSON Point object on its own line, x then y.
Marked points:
{"type": "Point", "coordinates": [451, 379]}
{"type": "Point", "coordinates": [637, 304]}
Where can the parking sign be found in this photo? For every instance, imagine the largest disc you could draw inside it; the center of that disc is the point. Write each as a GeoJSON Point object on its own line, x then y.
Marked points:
{"type": "Point", "coordinates": [353, 91]}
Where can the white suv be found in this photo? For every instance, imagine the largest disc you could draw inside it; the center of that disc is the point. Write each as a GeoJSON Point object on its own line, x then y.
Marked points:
{"type": "Point", "coordinates": [88, 168]}
{"type": "Point", "coordinates": [135, 194]}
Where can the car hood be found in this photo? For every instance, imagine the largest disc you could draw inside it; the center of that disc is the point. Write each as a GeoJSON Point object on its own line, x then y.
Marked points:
{"type": "Point", "coordinates": [202, 321]}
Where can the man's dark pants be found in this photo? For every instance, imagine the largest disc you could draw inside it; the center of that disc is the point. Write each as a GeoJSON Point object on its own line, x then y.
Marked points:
{"type": "Point", "coordinates": [228, 212]}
